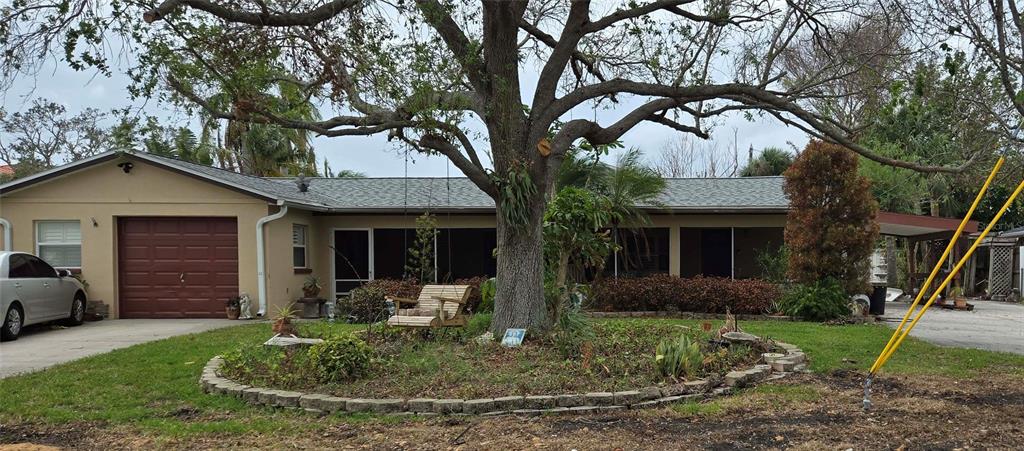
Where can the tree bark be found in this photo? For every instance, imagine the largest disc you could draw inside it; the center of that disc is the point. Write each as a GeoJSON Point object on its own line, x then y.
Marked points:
{"type": "Point", "coordinates": [519, 301]}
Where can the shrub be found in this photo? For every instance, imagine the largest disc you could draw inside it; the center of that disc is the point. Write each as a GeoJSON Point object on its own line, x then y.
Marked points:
{"type": "Point", "coordinates": [572, 333]}
{"type": "Point", "coordinates": [656, 292]}
{"type": "Point", "coordinates": [774, 263]}
{"type": "Point", "coordinates": [698, 294]}
{"type": "Point", "coordinates": [716, 294]}
{"type": "Point", "coordinates": [269, 366]}
{"type": "Point", "coordinates": [677, 358]}
{"type": "Point", "coordinates": [340, 358]}
{"type": "Point", "coordinates": [819, 301]}
{"type": "Point", "coordinates": [488, 289]}
{"type": "Point", "coordinates": [831, 228]}
{"type": "Point", "coordinates": [366, 303]}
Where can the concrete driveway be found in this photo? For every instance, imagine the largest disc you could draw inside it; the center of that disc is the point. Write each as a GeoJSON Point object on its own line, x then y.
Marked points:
{"type": "Point", "coordinates": [41, 347]}
{"type": "Point", "coordinates": [993, 326]}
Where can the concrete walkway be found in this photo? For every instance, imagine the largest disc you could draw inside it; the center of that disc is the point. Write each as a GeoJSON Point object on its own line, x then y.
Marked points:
{"type": "Point", "coordinates": [993, 326]}
{"type": "Point", "coordinates": [43, 346]}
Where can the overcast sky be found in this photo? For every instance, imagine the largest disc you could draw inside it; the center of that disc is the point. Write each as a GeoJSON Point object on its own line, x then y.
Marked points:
{"type": "Point", "coordinates": [374, 156]}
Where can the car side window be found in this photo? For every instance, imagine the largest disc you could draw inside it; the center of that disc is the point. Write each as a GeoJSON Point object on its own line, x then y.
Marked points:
{"type": "Point", "coordinates": [18, 267]}
{"type": "Point", "coordinates": [41, 268]}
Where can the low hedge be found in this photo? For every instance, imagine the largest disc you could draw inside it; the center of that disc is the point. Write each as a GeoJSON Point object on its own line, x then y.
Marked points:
{"type": "Point", "coordinates": [699, 294]}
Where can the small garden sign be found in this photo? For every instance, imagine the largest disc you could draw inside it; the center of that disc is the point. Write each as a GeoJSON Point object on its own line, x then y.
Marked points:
{"type": "Point", "coordinates": [513, 337]}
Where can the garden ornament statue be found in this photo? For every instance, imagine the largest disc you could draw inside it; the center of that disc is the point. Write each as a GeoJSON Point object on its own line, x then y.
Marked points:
{"type": "Point", "coordinates": [245, 305]}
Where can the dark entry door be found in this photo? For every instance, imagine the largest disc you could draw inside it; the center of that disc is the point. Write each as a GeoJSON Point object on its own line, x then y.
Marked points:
{"type": "Point", "coordinates": [176, 267]}
{"type": "Point", "coordinates": [351, 259]}
{"type": "Point", "coordinates": [716, 252]}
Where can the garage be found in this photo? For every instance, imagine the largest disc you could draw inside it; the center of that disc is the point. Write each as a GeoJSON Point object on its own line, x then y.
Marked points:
{"type": "Point", "coordinates": [176, 267]}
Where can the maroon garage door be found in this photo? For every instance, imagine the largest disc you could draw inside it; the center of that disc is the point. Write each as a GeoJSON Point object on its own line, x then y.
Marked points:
{"type": "Point", "coordinates": [176, 267]}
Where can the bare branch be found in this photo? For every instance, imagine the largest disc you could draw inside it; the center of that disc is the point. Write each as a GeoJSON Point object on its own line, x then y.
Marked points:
{"type": "Point", "coordinates": [264, 18]}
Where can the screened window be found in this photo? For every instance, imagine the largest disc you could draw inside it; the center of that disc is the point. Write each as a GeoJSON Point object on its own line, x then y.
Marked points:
{"type": "Point", "coordinates": [299, 236]}
{"type": "Point", "coordinates": [59, 243]}
{"type": "Point", "coordinates": [642, 252]}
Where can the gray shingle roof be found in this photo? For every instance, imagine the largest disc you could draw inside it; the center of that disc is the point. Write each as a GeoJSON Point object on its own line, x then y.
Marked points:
{"type": "Point", "coordinates": [745, 195]}
{"type": "Point", "coordinates": [762, 194]}
{"type": "Point", "coordinates": [271, 188]}
{"type": "Point", "coordinates": [390, 193]}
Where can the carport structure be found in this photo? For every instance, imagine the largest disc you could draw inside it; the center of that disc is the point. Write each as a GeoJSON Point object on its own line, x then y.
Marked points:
{"type": "Point", "coordinates": [926, 237]}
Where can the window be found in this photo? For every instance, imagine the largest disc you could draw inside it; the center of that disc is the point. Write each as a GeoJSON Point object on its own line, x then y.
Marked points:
{"type": "Point", "coordinates": [299, 245]}
{"type": "Point", "coordinates": [59, 243]}
{"type": "Point", "coordinates": [19, 267]}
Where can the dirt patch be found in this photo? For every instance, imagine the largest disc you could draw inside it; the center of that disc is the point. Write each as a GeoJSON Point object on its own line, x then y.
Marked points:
{"type": "Point", "coordinates": [918, 413]}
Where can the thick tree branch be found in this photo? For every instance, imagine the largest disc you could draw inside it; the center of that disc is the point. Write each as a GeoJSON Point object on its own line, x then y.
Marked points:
{"type": "Point", "coordinates": [263, 18]}
{"type": "Point", "coordinates": [632, 13]}
{"type": "Point", "coordinates": [663, 120]}
{"type": "Point", "coordinates": [562, 51]}
{"type": "Point", "coordinates": [474, 172]}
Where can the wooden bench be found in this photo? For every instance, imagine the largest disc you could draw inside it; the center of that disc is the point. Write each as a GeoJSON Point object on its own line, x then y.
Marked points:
{"type": "Point", "coordinates": [437, 306]}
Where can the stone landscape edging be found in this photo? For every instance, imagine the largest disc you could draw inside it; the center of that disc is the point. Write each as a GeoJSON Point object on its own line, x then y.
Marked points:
{"type": "Point", "coordinates": [793, 361]}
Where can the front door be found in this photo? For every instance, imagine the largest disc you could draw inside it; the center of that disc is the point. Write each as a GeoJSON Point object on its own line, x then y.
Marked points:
{"type": "Point", "coordinates": [351, 259]}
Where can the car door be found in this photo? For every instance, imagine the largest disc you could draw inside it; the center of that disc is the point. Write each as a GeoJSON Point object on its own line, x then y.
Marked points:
{"type": "Point", "coordinates": [28, 288]}
{"type": "Point", "coordinates": [51, 293]}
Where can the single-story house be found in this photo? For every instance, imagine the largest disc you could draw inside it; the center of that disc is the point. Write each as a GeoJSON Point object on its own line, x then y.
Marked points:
{"type": "Point", "coordinates": [156, 237]}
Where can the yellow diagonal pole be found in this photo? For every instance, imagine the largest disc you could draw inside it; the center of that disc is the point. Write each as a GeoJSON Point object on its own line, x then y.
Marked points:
{"type": "Point", "coordinates": [956, 269]}
{"type": "Point", "coordinates": [938, 265]}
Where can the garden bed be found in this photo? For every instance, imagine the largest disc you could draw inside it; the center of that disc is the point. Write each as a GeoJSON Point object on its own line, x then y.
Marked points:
{"type": "Point", "coordinates": [615, 366]}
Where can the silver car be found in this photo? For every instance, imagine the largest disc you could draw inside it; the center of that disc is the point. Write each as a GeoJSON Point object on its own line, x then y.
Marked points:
{"type": "Point", "coordinates": [32, 292]}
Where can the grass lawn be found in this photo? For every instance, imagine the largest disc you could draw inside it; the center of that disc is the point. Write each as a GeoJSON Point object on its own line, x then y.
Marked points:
{"type": "Point", "coordinates": [153, 387]}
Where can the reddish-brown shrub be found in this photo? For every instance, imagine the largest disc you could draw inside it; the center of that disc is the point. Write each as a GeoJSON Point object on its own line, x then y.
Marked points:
{"type": "Point", "coordinates": [407, 288]}
{"type": "Point", "coordinates": [635, 294]}
{"type": "Point", "coordinates": [831, 228]}
{"type": "Point", "coordinates": [698, 294]}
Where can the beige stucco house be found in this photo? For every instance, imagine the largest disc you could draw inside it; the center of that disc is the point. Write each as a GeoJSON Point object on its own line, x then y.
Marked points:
{"type": "Point", "coordinates": [156, 237]}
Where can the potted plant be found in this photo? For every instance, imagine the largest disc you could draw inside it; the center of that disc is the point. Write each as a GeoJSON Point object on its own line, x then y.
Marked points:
{"type": "Point", "coordinates": [311, 286]}
{"type": "Point", "coordinates": [233, 307]}
{"type": "Point", "coordinates": [283, 321]}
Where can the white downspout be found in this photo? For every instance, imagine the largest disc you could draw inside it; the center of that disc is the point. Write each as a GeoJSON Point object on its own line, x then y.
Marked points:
{"type": "Point", "coordinates": [261, 263]}
{"type": "Point", "coordinates": [7, 233]}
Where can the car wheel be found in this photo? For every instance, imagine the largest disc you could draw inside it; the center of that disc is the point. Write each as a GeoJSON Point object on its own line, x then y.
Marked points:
{"type": "Point", "coordinates": [13, 321]}
{"type": "Point", "coordinates": [77, 311]}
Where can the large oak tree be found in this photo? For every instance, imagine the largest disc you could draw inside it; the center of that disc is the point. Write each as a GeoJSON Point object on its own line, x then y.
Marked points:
{"type": "Point", "coordinates": [458, 78]}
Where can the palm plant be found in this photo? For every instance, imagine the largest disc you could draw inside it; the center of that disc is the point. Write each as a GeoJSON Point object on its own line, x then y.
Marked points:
{"type": "Point", "coordinates": [629, 185]}
{"type": "Point", "coordinates": [771, 161]}
{"type": "Point", "coordinates": [266, 149]}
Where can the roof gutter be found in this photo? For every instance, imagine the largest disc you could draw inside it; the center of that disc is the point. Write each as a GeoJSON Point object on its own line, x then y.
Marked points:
{"type": "Point", "coordinates": [7, 233]}
{"type": "Point", "coordinates": [261, 261]}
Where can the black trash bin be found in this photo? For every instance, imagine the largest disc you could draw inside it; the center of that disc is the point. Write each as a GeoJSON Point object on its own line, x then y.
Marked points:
{"type": "Point", "coordinates": [878, 300]}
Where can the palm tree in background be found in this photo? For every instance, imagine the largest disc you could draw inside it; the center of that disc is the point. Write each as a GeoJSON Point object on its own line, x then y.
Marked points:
{"type": "Point", "coordinates": [264, 150]}
{"type": "Point", "coordinates": [771, 161]}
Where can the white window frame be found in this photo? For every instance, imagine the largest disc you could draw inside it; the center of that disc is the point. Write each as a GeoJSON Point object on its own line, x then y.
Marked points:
{"type": "Point", "coordinates": [304, 245]}
{"type": "Point", "coordinates": [40, 244]}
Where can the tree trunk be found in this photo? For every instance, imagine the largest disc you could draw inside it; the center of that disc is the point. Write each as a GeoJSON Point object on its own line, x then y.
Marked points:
{"type": "Point", "coordinates": [519, 301]}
